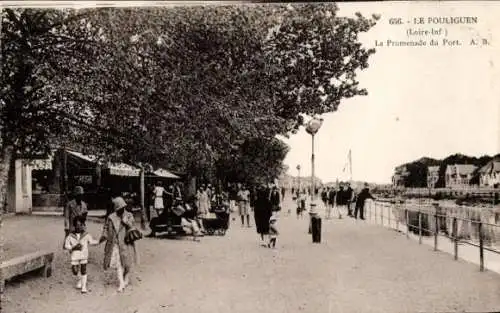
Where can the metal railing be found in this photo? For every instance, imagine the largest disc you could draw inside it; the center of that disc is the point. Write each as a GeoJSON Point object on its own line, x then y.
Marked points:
{"type": "Point", "coordinates": [463, 226]}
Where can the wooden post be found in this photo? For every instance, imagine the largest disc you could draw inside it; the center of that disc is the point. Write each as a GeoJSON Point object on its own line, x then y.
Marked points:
{"type": "Point", "coordinates": [455, 238]}
{"type": "Point", "coordinates": [407, 224]}
{"type": "Point", "coordinates": [419, 227]}
{"type": "Point", "coordinates": [142, 187]}
{"type": "Point", "coordinates": [436, 231]}
{"type": "Point", "coordinates": [389, 215]}
{"type": "Point", "coordinates": [436, 224]}
{"type": "Point", "coordinates": [481, 248]}
{"type": "Point", "coordinates": [382, 214]}
{"type": "Point", "coordinates": [142, 192]}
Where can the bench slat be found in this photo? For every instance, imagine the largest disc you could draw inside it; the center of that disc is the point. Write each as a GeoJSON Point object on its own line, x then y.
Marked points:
{"type": "Point", "coordinates": [24, 264]}
{"type": "Point", "coordinates": [27, 257]}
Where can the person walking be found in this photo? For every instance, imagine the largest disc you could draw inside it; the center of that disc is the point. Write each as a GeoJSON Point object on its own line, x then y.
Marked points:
{"type": "Point", "coordinates": [283, 192]}
{"type": "Point", "coordinates": [233, 196]}
{"type": "Point", "coordinates": [340, 200]}
{"type": "Point", "coordinates": [262, 211]}
{"type": "Point", "coordinates": [360, 202]}
{"type": "Point", "coordinates": [210, 195]}
{"type": "Point", "coordinates": [119, 253]}
{"type": "Point", "coordinates": [349, 194]}
{"type": "Point", "coordinates": [77, 242]}
{"type": "Point", "coordinates": [324, 198]}
{"type": "Point", "coordinates": [273, 231]}
{"type": "Point", "coordinates": [158, 194]}
{"type": "Point", "coordinates": [332, 194]}
{"type": "Point", "coordinates": [202, 202]}
{"type": "Point", "coordinates": [73, 209]}
{"type": "Point", "coordinates": [244, 205]}
{"type": "Point", "coordinates": [302, 204]}
{"type": "Point", "coordinates": [275, 199]}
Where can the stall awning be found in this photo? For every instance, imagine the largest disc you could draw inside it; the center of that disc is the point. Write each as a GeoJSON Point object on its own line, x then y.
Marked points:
{"type": "Point", "coordinates": [40, 165]}
{"type": "Point", "coordinates": [164, 173]}
{"type": "Point", "coordinates": [87, 158]}
{"type": "Point", "coordinates": [122, 169]}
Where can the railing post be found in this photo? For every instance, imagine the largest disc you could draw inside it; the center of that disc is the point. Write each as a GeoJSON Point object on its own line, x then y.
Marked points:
{"type": "Point", "coordinates": [436, 225]}
{"type": "Point", "coordinates": [389, 215]}
{"type": "Point", "coordinates": [419, 227]}
{"type": "Point", "coordinates": [455, 238]}
{"type": "Point", "coordinates": [382, 215]}
{"type": "Point", "coordinates": [436, 231]}
{"type": "Point", "coordinates": [407, 224]}
{"type": "Point", "coordinates": [398, 214]}
{"type": "Point", "coordinates": [375, 214]}
{"type": "Point", "coordinates": [481, 248]}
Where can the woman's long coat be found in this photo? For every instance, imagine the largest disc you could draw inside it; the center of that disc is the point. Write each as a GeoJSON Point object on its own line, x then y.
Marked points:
{"type": "Point", "coordinates": [115, 229]}
{"type": "Point", "coordinates": [262, 210]}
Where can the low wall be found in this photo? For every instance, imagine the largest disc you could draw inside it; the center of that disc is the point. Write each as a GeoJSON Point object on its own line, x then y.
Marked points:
{"type": "Point", "coordinates": [47, 200]}
{"type": "Point", "coordinates": [55, 202]}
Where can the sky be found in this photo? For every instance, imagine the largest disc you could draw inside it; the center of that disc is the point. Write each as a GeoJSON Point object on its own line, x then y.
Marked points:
{"type": "Point", "coordinates": [423, 101]}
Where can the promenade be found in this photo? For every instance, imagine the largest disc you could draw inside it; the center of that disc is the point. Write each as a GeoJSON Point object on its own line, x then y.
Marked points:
{"type": "Point", "coordinates": [359, 267]}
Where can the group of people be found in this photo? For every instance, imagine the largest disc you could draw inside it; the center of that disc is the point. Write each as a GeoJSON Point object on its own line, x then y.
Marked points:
{"type": "Point", "coordinates": [119, 235]}
{"type": "Point", "coordinates": [341, 199]}
{"type": "Point", "coordinates": [188, 213]}
{"type": "Point", "coordinates": [338, 199]}
{"type": "Point", "coordinates": [264, 200]}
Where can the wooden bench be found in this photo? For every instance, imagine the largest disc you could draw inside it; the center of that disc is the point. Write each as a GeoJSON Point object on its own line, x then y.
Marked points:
{"type": "Point", "coordinates": [41, 261]}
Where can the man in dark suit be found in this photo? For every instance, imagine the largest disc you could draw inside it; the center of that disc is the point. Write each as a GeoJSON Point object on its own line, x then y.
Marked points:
{"type": "Point", "coordinates": [348, 193]}
{"type": "Point", "coordinates": [360, 202]}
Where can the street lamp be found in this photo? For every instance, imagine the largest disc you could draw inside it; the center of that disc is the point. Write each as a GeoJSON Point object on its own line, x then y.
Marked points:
{"type": "Point", "coordinates": [312, 128]}
{"type": "Point", "coordinates": [298, 178]}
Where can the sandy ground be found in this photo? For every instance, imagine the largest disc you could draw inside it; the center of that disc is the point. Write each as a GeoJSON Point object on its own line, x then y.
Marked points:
{"type": "Point", "coordinates": [359, 267]}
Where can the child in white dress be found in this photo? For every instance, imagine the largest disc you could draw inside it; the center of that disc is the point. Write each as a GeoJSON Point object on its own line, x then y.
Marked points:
{"type": "Point", "coordinates": [273, 231]}
{"type": "Point", "coordinates": [78, 243]}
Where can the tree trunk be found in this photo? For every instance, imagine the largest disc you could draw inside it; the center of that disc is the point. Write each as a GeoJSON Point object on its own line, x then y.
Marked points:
{"type": "Point", "coordinates": [7, 154]}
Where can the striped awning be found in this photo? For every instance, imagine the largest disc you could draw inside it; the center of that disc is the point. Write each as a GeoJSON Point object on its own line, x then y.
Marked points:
{"type": "Point", "coordinates": [122, 169]}
{"type": "Point", "coordinates": [164, 173]}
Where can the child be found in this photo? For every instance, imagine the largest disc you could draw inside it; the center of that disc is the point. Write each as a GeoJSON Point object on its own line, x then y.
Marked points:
{"type": "Point", "coordinates": [78, 243]}
{"type": "Point", "coordinates": [273, 231]}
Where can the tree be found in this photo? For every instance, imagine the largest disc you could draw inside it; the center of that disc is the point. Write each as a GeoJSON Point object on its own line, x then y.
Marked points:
{"type": "Point", "coordinates": [212, 72]}
{"type": "Point", "coordinates": [41, 51]}
{"type": "Point", "coordinates": [315, 57]}
{"type": "Point", "coordinates": [255, 161]}
{"type": "Point", "coordinates": [177, 86]}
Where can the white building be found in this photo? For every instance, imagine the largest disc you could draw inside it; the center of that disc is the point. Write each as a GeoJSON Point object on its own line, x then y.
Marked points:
{"type": "Point", "coordinates": [19, 186]}
{"type": "Point", "coordinates": [432, 176]}
{"type": "Point", "coordinates": [459, 175]}
{"type": "Point", "coordinates": [489, 175]}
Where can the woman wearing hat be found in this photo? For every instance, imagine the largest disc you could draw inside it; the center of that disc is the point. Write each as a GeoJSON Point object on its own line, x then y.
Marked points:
{"type": "Point", "coordinates": [75, 207]}
{"type": "Point", "coordinates": [118, 253]}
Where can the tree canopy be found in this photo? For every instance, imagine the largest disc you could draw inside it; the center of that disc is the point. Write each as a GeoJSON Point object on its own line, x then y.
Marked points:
{"type": "Point", "coordinates": [190, 88]}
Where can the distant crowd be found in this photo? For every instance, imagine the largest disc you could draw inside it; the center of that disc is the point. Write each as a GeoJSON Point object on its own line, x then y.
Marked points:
{"type": "Point", "coordinates": [336, 200]}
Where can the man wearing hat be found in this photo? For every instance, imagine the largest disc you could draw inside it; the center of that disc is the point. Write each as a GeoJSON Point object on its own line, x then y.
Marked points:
{"type": "Point", "coordinates": [75, 207]}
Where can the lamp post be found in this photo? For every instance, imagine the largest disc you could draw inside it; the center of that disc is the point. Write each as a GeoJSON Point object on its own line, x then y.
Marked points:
{"type": "Point", "coordinates": [312, 128]}
{"type": "Point", "coordinates": [298, 178]}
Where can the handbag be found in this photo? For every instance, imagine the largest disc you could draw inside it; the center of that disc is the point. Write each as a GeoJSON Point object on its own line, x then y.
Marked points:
{"type": "Point", "coordinates": [178, 210]}
{"type": "Point", "coordinates": [132, 236]}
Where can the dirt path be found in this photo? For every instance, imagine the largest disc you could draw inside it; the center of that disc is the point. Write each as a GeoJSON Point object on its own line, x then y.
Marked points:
{"type": "Point", "coordinates": [357, 268]}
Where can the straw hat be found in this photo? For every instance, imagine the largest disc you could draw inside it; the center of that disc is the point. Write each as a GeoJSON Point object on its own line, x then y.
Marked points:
{"type": "Point", "coordinates": [119, 203]}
